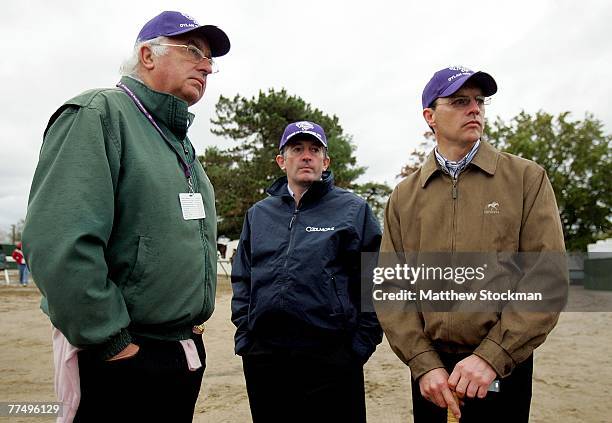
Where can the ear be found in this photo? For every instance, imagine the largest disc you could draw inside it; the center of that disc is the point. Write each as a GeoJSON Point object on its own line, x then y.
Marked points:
{"type": "Point", "coordinates": [430, 116]}
{"type": "Point", "coordinates": [326, 162]}
{"type": "Point", "coordinates": [146, 58]}
{"type": "Point", "coordinates": [280, 161]}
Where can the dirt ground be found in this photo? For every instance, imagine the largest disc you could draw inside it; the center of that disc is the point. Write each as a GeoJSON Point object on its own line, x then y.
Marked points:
{"type": "Point", "coordinates": [572, 375]}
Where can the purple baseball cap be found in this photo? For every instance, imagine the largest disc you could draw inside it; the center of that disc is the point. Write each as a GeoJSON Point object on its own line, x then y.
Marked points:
{"type": "Point", "coordinates": [306, 128]}
{"type": "Point", "coordinates": [169, 23]}
{"type": "Point", "coordinates": [449, 80]}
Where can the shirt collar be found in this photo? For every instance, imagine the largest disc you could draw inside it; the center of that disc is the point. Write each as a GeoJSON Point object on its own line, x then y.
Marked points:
{"type": "Point", "coordinates": [486, 159]}
{"type": "Point", "coordinates": [454, 168]}
{"type": "Point", "coordinates": [293, 193]}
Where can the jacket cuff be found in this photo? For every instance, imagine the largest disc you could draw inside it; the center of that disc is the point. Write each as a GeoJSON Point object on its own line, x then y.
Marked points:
{"type": "Point", "coordinates": [113, 346]}
{"type": "Point", "coordinates": [423, 363]}
{"type": "Point", "coordinates": [497, 357]}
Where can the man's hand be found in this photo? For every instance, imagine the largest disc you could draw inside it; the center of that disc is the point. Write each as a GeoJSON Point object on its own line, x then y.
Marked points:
{"type": "Point", "coordinates": [472, 376]}
{"type": "Point", "coordinates": [130, 351]}
{"type": "Point", "coordinates": [434, 387]}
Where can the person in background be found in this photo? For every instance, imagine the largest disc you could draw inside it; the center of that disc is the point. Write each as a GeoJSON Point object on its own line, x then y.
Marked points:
{"type": "Point", "coordinates": [24, 274]}
{"type": "Point", "coordinates": [3, 266]}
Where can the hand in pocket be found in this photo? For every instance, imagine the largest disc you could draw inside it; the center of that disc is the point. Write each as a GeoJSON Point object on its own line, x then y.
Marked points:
{"type": "Point", "coordinates": [130, 351]}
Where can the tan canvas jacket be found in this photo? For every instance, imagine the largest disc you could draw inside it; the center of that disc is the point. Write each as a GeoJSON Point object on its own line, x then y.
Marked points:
{"type": "Point", "coordinates": [429, 212]}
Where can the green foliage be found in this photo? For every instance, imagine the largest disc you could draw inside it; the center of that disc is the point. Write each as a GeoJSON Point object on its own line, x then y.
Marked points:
{"type": "Point", "coordinates": [376, 195]}
{"type": "Point", "coordinates": [576, 156]}
{"type": "Point", "coordinates": [418, 156]}
{"type": "Point", "coordinates": [241, 174]}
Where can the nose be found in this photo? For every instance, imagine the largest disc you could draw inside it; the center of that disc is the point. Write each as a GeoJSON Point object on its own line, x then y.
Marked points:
{"type": "Point", "coordinates": [307, 155]}
{"type": "Point", "coordinates": [205, 67]}
{"type": "Point", "coordinates": [473, 107]}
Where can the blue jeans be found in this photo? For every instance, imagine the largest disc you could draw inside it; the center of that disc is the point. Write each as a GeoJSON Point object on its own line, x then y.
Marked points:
{"type": "Point", "coordinates": [23, 274]}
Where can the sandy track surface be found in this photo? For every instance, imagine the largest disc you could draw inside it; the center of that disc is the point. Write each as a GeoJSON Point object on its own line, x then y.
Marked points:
{"type": "Point", "coordinates": [572, 374]}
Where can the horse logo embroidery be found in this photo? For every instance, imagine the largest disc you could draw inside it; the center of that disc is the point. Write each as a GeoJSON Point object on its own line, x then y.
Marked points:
{"type": "Point", "coordinates": [492, 208]}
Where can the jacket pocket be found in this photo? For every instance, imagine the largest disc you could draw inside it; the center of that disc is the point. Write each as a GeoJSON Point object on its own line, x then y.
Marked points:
{"type": "Point", "coordinates": [336, 297]}
{"type": "Point", "coordinates": [133, 283]}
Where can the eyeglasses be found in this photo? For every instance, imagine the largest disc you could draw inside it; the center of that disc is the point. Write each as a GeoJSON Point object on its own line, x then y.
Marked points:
{"type": "Point", "coordinates": [462, 102]}
{"type": "Point", "coordinates": [196, 54]}
{"type": "Point", "coordinates": [298, 150]}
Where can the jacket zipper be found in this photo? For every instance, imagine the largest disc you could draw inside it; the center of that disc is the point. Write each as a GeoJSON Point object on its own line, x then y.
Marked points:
{"type": "Point", "coordinates": [291, 234]}
{"type": "Point", "coordinates": [194, 181]}
{"type": "Point", "coordinates": [283, 287]}
{"type": "Point", "coordinates": [454, 226]}
{"type": "Point", "coordinates": [453, 238]}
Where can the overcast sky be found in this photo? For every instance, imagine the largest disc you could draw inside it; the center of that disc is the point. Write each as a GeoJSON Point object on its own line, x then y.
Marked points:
{"type": "Point", "coordinates": [365, 61]}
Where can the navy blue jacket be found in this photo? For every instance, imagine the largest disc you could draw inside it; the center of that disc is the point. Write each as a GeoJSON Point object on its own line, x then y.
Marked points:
{"type": "Point", "coordinates": [296, 273]}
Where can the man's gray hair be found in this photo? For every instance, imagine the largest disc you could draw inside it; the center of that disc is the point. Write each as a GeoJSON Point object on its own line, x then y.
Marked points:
{"type": "Point", "coordinates": [129, 67]}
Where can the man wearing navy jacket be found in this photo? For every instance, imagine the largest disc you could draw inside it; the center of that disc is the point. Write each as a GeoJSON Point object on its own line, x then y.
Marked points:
{"type": "Point", "coordinates": [297, 295]}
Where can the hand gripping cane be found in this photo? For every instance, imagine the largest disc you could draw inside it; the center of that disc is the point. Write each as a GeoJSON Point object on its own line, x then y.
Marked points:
{"type": "Point", "coordinates": [450, 417]}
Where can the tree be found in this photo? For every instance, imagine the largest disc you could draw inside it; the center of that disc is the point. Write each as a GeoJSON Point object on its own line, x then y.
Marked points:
{"type": "Point", "coordinates": [241, 174]}
{"type": "Point", "coordinates": [577, 159]}
{"type": "Point", "coordinates": [376, 194]}
{"type": "Point", "coordinates": [13, 233]}
{"type": "Point", "coordinates": [418, 155]}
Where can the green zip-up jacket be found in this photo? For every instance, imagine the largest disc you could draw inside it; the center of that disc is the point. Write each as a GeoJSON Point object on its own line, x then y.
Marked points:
{"type": "Point", "coordinates": [105, 236]}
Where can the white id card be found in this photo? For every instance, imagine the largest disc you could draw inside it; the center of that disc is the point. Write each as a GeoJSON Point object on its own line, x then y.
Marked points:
{"type": "Point", "coordinates": [192, 206]}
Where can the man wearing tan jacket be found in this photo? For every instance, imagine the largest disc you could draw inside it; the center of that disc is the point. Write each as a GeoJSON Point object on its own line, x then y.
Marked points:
{"type": "Point", "coordinates": [469, 197]}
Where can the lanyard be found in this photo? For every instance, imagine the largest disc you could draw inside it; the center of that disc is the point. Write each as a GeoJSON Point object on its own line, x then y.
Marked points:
{"type": "Point", "coordinates": [144, 111]}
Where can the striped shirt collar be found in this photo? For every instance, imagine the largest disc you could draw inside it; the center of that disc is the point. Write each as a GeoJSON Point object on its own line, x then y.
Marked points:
{"type": "Point", "coordinates": [455, 168]}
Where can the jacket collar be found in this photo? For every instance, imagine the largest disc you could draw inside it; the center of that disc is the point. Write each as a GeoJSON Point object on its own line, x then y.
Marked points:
{"type": "Point", "coordinates": [316, 191]}
{"type": "Point", "coordinates": [485, 159]}
{"type": "Point", "coordinates": [166, 109]}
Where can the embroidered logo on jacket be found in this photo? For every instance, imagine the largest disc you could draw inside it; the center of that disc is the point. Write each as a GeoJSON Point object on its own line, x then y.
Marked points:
{"type": "Point", "coordinates": [315, 229]}
{"type": "Point", "coordinates": [492, 208]}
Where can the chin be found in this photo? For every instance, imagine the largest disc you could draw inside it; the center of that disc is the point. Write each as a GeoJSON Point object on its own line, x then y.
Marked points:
{"type": "Point", "coordinates": [192, 97]}
{"type": "Point", "coordinates": [472, 138]}
{"type": "Point", "coordinates": [307, 180]}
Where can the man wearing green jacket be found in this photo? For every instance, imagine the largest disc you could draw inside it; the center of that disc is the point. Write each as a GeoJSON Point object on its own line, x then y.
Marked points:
{"type": "Point", "coordinates": [121, 230]}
